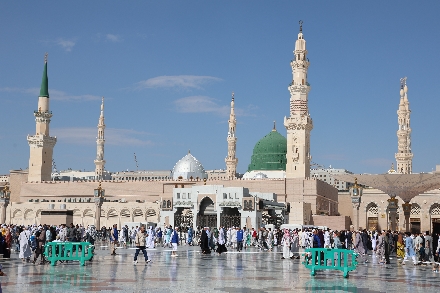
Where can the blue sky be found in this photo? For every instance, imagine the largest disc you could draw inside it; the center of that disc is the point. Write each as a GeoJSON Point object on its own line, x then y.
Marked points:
{"type": "Point", "coordinates": [167, 70]}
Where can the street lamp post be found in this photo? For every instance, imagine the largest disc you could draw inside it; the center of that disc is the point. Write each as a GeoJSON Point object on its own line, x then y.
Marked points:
{"type": "Point", "coordinates": [99, 194]}
{"type": "Point", "coordinates": [356, 193]}
{"type": "Point", "coordinates": [5, 194]}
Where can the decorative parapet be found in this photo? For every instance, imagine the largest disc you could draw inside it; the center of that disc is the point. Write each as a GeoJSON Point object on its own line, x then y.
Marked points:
{"type": "Point", "coordinates": [184, 204]}
{"type": "Point", "coordinates": [230, 204]}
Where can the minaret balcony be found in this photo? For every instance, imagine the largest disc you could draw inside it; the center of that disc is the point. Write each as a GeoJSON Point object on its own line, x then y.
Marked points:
{"type": "Point", "coordinates": [45, 114]}
{"type": "Point", "coordinates": [41, 140]}
{"type": "Point", "coordinates": [293, 83]}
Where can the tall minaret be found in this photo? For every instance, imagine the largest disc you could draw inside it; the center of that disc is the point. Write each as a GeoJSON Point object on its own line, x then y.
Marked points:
{"type": "Point", "coordinates": [404, 155]}
{"type": "Point", "coordinates": [99, 161]}
{"type": "Point", "coordinates": [299, 123]}
{"type": "Point", "coordinates": [231, 160]}
{"type": "Point", "coordinates": [41, 144]}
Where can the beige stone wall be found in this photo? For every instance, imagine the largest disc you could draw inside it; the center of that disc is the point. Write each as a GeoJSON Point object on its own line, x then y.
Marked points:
{"type": "Point", "coordinates": [17, 177]}
{"type": "Point", "coordinates": [84, 213]}
{"type": "Point", "coordinates": [317, 194]}
{"type": "Point", "coordinates": [300, 213]}
{"type": "Point", "coordinates": [344, 203]}
{"type": "Point", "coordinates": [374, 205]}
{"type": "Point", "coordinates": [333, 222]}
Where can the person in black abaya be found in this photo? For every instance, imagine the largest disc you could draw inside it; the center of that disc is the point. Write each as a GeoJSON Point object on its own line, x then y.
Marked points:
{"type": "Point", "coordinates": [204, 242]}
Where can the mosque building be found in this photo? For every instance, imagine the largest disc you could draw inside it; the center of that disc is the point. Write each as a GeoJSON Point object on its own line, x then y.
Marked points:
{"type": "Point", "coordinates": [277, 187]}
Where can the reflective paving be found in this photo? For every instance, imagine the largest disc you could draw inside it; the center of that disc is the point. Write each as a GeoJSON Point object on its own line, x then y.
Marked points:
{"type": "Point", "coordinates": [191, 271]}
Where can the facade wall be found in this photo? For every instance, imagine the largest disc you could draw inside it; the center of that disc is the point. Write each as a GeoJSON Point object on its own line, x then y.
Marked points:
{"type": "Point", "coordinates": [334, 223]}
{"type": "Point", "coordinates": [300, 213]}
{"type": "Point", "coordinates": [374, 206]}
{"type": "Point", "coordinates": [84, 213]}
{"type": "Point", "coordinates": [16, 179]}
{"type": "Point", "coordinates": [344, 204]}
{"type": "Point", "coordinates": [321, 197]}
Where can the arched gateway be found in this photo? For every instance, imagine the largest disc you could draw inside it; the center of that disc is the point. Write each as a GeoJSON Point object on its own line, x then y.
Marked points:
{"type": "Point", "coordinates": [207, 216]}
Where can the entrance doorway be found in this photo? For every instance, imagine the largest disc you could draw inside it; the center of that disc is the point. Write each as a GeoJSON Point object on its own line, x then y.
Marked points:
{"type": "Point", "coordinates": [372, 223]}
{"type": "Point", "coordinates": [415, 225]}
{"type": "Point", "coordinates": [230, 217]}
{"type": "Point", "coordinates": [435, 226]}
{"type": "Point", "coordinates": [207, 217]}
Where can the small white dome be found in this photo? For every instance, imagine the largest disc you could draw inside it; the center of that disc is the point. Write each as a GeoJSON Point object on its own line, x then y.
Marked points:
{"type": "Point", "coordinates": [189, 166]}
{"type": "Point", "coordinates": [260, 175]}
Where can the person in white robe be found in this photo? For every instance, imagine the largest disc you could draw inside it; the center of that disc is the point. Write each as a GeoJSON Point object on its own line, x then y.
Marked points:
{"type": "Point", "coordinates": [304, 239]}
{"type": "Point", "coordinates": [327, 239]}
{"type": "Point", "coordinates": [228, 237]}
{"type": "Point", "coordinates": [285, 242]}
{"type": "Point", "coordinates": [374, 242]}
{"type": "Point", "coordinates": [234, 238]}
{"type": "Point", "coordinates": [150, 238]}
{"type": "Point", "coordinates": [25, 248]}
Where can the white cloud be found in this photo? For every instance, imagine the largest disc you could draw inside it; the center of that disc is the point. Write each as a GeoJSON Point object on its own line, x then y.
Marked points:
{"type": "Point", "coordinates": [32, 91]}
{"type": "Point", "coordinates": [200, 104]}
{"type": "Point", "coordinates": [204, 104]}
{"type": "Point", "coordinates": [54, 94]}
{"type": "Point", "coordinates": [113, 38]}
{"type": "Point", "coordinates": [62, 96]}
{"type": "Point", "coordinates": [173, 81]}
{"type": "Point", "coordinates": [113, 136]}
{"type": "Point", "coordinates": [67, 45]}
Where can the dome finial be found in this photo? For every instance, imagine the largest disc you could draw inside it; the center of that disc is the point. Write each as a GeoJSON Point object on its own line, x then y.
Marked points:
{"type": "Point", "coordinates": [300, 26]}
{"type": "Point", "coordinates": [189, 151]}
{"type": "Point", "coordinates": [232, 96]}
{"type": "Point", "coordinates": [274, 126]}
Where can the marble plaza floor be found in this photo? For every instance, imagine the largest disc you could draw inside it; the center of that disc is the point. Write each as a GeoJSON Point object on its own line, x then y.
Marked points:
{"type": "Point", "coordinates": [191, 271]}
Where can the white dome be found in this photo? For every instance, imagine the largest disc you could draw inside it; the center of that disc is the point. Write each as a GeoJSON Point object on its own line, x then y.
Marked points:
{"type": "Point", "coordinates": [189, 166]}
{"type": "Point", "coordinates": [260, 176]}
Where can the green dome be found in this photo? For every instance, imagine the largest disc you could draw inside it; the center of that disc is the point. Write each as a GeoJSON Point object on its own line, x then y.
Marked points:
{"type": "Point", "coordinates": [269, 153]}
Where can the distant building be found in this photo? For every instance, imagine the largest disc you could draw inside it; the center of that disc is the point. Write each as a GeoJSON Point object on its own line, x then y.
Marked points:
{"type": "Point", "coordinates": [78, 175]}
{"type": "Point", "coordinates": [326, 175]}
{"type": "Point", "coordinates": [4, 178]}
{"type": "Point", "coordinates": [141, 175]}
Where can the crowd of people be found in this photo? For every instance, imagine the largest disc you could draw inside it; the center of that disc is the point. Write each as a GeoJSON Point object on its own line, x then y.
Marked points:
{"type": "Point", "coordinates": [421, 248]}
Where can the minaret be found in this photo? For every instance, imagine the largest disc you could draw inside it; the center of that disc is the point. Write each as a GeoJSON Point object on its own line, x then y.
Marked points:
{"type": "Point", "coordinates": [404, 155]}
{"type": "Point", "coordinates": [41, 144]}
{"type": "Point", "coordinates": [100, 162]}
{"type": "Point", "coordinates": [231, 160]}
{"type": "Point", "coordinates": [299, 123]}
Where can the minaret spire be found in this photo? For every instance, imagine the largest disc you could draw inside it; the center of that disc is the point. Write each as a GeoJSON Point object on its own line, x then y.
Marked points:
{"type": "Point", "coordinates": [41, 144]}
{"type": "Point", "coordinates": [404, 155]}
{"type": "Point", "coordinates": [299, 124]}
{"type": "Point", "coordinates": [100, 140]}
{"type": "Point", "coordinates": [44, 89]}
{"type": "Point", "coordinates": [231, 160]}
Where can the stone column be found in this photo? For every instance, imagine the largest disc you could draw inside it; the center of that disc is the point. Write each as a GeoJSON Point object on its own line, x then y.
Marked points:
{"type": "Point", "coordinates": [219, 212]}
{"type": "Point", "coordinates": [98, 205]}
{"type": "Point", "coordinates": [392, 212]}
{"type": "Point", "coordinates": [3, 204]}
{"type": "Point", "coordinates": [356, 202]}
{"type": "Point", "coordinates": [407, 212]}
